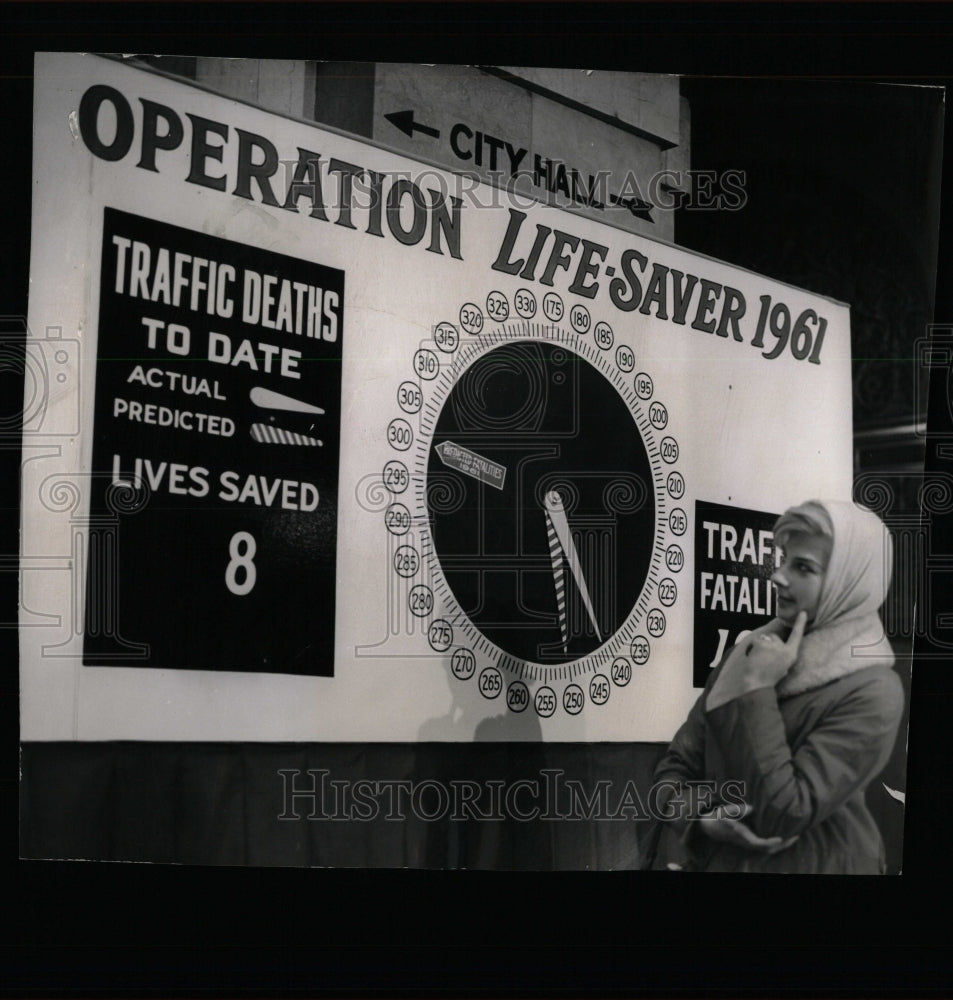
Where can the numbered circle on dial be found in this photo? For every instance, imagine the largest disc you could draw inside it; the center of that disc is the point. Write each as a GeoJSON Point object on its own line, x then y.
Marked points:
{"type": "Point", "coordinates": [655, 622]}
{"type": "Point", "coordinates": [553, 308]}
{"type": "Point", "coordinates": [497, 307]}
{"type": "Point", "coordinates": [525, 302]}
{"type": "Point", "coordinates": [674, 557]}
{"type": "Point", "coordinates": [625, 358]}
{"type": "Point", "coordinates": [400, 434]}
{"type": "Point", "coordinates": [599, 689]}
{"type": "Point", "coordinates": [580, 319]}
{"type": "Point", "coordinates": [548, 542]}
{"type": "Point", "coordinates": [517, 697]}
{"type": "Point", "coordinates": [641, 650]}
{"type": "Point", "coordinates": [573, 699]}
{"type": "Point", "coordinates": [406, 561]}
{"type": "Point", "coordinates": [440, 635]}
{"type": "Point", "coordinates": [420, 600]}
{"type": "Point", "coordinates": [409, 397]}
{"type": "Point", "coordinates": [471, 318]}
{"type": "Point", "coordinates": [463, 664]}
{"type": "Point", "coordinates": [603, 336]}
{"type": "Point", "coordinates": [445, 336]}
{"type": "Point", "coordinates": [667, 592]}
{"type": "Point", "coordinates": [490, 683]}
{"type": "Point", "coordinates": [621, 671]}
{"type": "Point", "coordinates": [677, 521]}
{"type": "Point", "coordinates": [397, 519]}
{"type": "Point", "coordinates": [658, 414]}
{"type": "Point", "coordinates": [545, 702]}
{"type": "Point", "coordinates": [426, 364]}
{"type": "Point", "coordinates": [396, 476]}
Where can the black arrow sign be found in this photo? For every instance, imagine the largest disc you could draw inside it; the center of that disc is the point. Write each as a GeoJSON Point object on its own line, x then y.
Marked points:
{"type": "Point", "coordinates": [639, 208]}
{"type": "Point", "coordinates": [404, 120]}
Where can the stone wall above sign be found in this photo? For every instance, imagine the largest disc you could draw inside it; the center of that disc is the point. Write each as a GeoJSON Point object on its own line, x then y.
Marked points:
{"type": "Point", "coordinates": [613, 146]}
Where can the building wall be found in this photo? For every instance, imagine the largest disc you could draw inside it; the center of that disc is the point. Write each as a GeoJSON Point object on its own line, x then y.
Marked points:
{"type": "Point", "coordinates": [600, 143]}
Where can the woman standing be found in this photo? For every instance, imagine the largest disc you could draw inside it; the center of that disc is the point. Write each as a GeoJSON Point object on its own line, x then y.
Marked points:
{"type": "Point", "coordinates": [797, 720]}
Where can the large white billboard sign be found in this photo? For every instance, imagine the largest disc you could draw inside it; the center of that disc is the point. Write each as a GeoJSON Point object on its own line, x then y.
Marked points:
{"type": "Point", "coordinates": [331, 445]}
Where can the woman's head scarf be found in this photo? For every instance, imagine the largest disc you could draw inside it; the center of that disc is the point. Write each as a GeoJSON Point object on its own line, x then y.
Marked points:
{"type": "Point", "coordinates": [861, 562]}
{"type": "Point", "coordinates": [846, 634]}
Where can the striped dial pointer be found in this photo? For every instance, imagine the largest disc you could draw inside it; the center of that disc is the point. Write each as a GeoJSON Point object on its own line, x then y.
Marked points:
{"type": "Point", "coordinates": [559, 579]}
{"type": "Point", "coordinates": [269, 400]}
{"type": "Point", "coordinates": [557, 524]}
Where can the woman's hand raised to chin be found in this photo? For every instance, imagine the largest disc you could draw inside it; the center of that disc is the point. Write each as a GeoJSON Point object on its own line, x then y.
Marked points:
{"type": "Point", "coordinates": [757, 662]}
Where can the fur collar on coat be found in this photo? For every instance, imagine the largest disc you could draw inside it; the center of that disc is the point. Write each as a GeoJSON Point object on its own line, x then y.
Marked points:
{"type": "Point", "coordinates": [833, 652]}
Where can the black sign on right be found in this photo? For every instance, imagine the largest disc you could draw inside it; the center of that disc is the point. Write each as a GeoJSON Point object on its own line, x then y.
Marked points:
{"type": "Point", "coordinates": [734, 560]}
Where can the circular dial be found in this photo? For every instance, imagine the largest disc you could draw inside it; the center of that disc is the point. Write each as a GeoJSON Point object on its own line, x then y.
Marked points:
{"type": "Point", "coordinates": [533, 511]}
{"type": "Point", "coordinates": [546, 555]}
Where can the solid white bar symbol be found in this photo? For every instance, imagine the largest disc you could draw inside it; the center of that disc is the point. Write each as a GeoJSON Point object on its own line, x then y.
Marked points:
{"type": "Point", "coordinates": [269, 400]}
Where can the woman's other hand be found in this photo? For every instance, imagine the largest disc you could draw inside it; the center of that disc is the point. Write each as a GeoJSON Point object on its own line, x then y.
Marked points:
{"type": "Point", "coordinates": [724, 824]}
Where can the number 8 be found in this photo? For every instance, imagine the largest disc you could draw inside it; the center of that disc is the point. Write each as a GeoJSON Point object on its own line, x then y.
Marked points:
{"type": "Point", "coordinates": [241, 560]}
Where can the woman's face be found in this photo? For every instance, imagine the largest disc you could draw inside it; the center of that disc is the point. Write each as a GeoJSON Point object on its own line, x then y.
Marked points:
{"type": "Point", "coordinates": [800, 577]}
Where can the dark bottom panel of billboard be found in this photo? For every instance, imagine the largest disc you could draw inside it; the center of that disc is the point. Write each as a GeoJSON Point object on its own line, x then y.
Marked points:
{"type": "Point", "coordinates": [383, 805]}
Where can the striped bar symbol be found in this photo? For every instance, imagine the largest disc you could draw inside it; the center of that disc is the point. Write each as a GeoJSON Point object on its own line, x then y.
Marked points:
{"type": "Point", "coordinates": [266, 434]}
{"type": "Point", "coordinates": [556, 554]}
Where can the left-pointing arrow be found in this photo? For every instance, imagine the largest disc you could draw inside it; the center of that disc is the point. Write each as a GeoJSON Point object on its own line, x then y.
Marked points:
{"type": "Point", "coordinates": [404, 120]}
{"type": "Point", "coordinates": [639, 208]}
{"type": "Point", "coordinates": [471, 464]}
